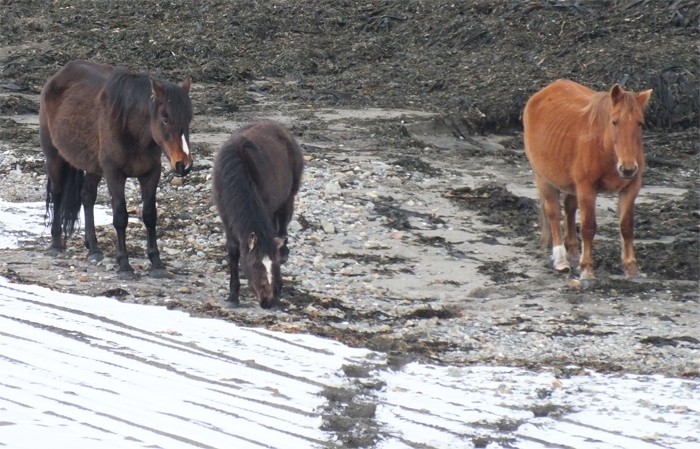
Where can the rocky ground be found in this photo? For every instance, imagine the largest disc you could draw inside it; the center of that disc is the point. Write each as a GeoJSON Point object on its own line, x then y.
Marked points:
{"type": "Point", "coordinates": [415, 230]}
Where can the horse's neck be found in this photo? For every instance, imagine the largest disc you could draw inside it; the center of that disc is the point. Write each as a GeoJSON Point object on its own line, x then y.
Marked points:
{"type": "Point", "coordinates": [259, 219]}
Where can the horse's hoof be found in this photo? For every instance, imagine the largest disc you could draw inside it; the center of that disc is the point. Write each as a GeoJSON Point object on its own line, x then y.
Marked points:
{"type": "Point", "coordinates": [160, 273]}
{"type": "Point", "coordinates": [55, 251]}
{"type": "Point", "coordinates": [232, 300]}
{"type": "Point", "coordinates": [632, 271]}
{"type": "Point", "coordinates": [563, 268]}
{"type": "Point", "coordinates": [126, 275]}
{"type": "Point", "coordinates": [587, 284]}
{"type": "Point", "coordinates": [587, 275]}
{"type": "Point", "coordinates": [95, 257]}
{"type": "Point", "coordinates": [284, 254]}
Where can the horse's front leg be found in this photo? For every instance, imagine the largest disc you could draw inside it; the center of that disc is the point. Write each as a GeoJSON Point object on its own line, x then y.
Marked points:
{"type": "Point", "coordinates": [88, 196]}
{"type": "Point", "coordinates": [120, 218]}
{"type": "Point", "coordinates": [586, 201]}
{"type": "Point", "coordinates": [626, 210]}
{"type": "Point", "coordinates": [149, 185]}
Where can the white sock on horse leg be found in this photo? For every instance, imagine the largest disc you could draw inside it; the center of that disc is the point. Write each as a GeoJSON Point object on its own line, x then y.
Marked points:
{"type": "Point", "coordinates": [559, 257]}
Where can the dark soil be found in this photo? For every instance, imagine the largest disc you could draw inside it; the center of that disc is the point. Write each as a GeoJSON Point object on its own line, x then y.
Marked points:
{"type": "Point", "coordinates": [477, 61]}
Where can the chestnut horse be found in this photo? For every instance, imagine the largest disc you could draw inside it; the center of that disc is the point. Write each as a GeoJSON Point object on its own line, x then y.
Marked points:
{"type": "Point", "coordinates": [96, 120]}
{"type": "Point", "coordinates": [582, 143]}
{"type": "Point", "coordinates": [257, 174]}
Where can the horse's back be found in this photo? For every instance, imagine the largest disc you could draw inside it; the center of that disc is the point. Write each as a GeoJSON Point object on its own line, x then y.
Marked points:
{"type": "Point", "coordinates": [275, 156]}
{"type": "Point", "coordinates": [554, 124]}
{"type": "Point", "coordinates": [276, 143]}
{"type": "Point", "coordinates": [559, 103]}
{"type": "Point", "coordinates": [82, 76]}
{"type": "Point", "coordinates": [264, 154]}
{"type": "Point", "coordinates": [72, 90]}
{"type": "Point", "coordinates": [68, 112]}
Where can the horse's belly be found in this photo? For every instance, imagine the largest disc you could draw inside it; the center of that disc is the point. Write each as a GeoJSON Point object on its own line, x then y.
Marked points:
{"type": "Point", "coordinates": [80, 153]}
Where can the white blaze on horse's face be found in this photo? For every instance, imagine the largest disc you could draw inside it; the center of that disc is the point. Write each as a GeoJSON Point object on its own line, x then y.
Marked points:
{"type": "Point", "coordinates": [186, 150]}
{"type": "Point", "coordinates": [185, 147]}
{"type": "Point", "coordinates": [268, 267]}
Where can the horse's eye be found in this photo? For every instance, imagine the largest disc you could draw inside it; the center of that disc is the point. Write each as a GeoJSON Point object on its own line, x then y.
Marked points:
{"type": "Point", "coordinates": [614, 123]}
{"type": "Point", "coordinates": [641, 124]}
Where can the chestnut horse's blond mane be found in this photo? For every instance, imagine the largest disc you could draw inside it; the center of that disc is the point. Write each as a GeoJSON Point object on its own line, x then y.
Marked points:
{"type": "Point", "coordinates": [599, 107]}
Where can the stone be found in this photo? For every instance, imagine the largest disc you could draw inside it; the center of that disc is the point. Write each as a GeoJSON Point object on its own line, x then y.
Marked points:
{"type": "Point", "coordinates": [332, 188]}
{"type": "Point", "coordinates": [327, 227]}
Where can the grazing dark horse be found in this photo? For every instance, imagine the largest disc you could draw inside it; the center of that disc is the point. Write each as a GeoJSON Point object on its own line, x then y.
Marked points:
{"type": "Point", "coordinates": [582, 143]}
{"type": "Point", "coordinates": [96, 120]}
{"type": "Point", "coordinates": [257, 173]}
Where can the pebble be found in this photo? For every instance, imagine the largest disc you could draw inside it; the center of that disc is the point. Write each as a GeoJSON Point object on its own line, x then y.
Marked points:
{"type": "Point", "coordinates": [332, 188]}
{"type": "Point", "coordinates": [327, 227]}
{"type": "Point", "coordinates": [341, 202]}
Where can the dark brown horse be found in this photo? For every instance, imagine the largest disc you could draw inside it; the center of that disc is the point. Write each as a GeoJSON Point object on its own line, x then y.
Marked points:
{"type": "Point", "coordinates": [582, 143]}
{"type": "Point", "coordinates": [96, 120]}
{"type": "Point", "coordinates": [257, 173]}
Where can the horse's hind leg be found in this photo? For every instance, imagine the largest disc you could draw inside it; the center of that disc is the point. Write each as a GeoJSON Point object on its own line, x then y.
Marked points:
{"type": "Point", "coordinates": [283, 216]}
{"type": "Point", "coordinates": [54, 174]}
{"type": "Point", "coordinates": [54, 189]}
{"type": "Point", "coordinates": [552, 209]}
{"type": "Point", "coordinates": [571, 239]}
{"type": "Point", "coordinates": [88, 196]}
{"type": "Point", "coordinates": [234, 253]}
{"type": "Point", "coordinates": [149, 185]}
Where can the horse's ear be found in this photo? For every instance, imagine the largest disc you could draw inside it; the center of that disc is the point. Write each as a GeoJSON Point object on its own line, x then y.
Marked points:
{"type": "Point", "coordinates": [157, 91]}
{"type": "Point", "coordinates": [643, 98]}
{"type": "Point", "coordinates": [187, 83]}
{"type": "Point", "coordinates": [616, 93]}
{"type": "Point", "coordinates": [252, 241]}
{"type": "Point", "coordinates": [280, 241]}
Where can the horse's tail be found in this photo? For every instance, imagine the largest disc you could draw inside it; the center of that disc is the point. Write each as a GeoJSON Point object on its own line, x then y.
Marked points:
{"type": "Point", "coordinates": [68, 210]}
{"type": "Point", "coordinates": [545, 227]}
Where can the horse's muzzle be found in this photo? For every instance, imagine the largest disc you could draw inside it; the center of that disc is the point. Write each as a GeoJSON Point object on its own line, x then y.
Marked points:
{"type": "Point", "coordinates": [273, 303]}
{"type": "Point", "coordinates": [627, 173]}
{"type": "Point", "coordinates": [181, 169]}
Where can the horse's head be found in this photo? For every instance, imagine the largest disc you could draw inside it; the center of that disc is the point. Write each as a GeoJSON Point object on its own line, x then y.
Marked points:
{"type": "Point", "coordinates": [170, 124]}
{"type": "Point", "coordinates": [624, 129]}
{"type": "Point", "coordinates": [261, 265]}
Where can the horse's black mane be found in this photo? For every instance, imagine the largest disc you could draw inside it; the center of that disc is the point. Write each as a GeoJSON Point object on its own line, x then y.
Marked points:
{"type": "Point", "coordinates": [126, 91]}
{"type": "Point", "coordinates": [240, 199]}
